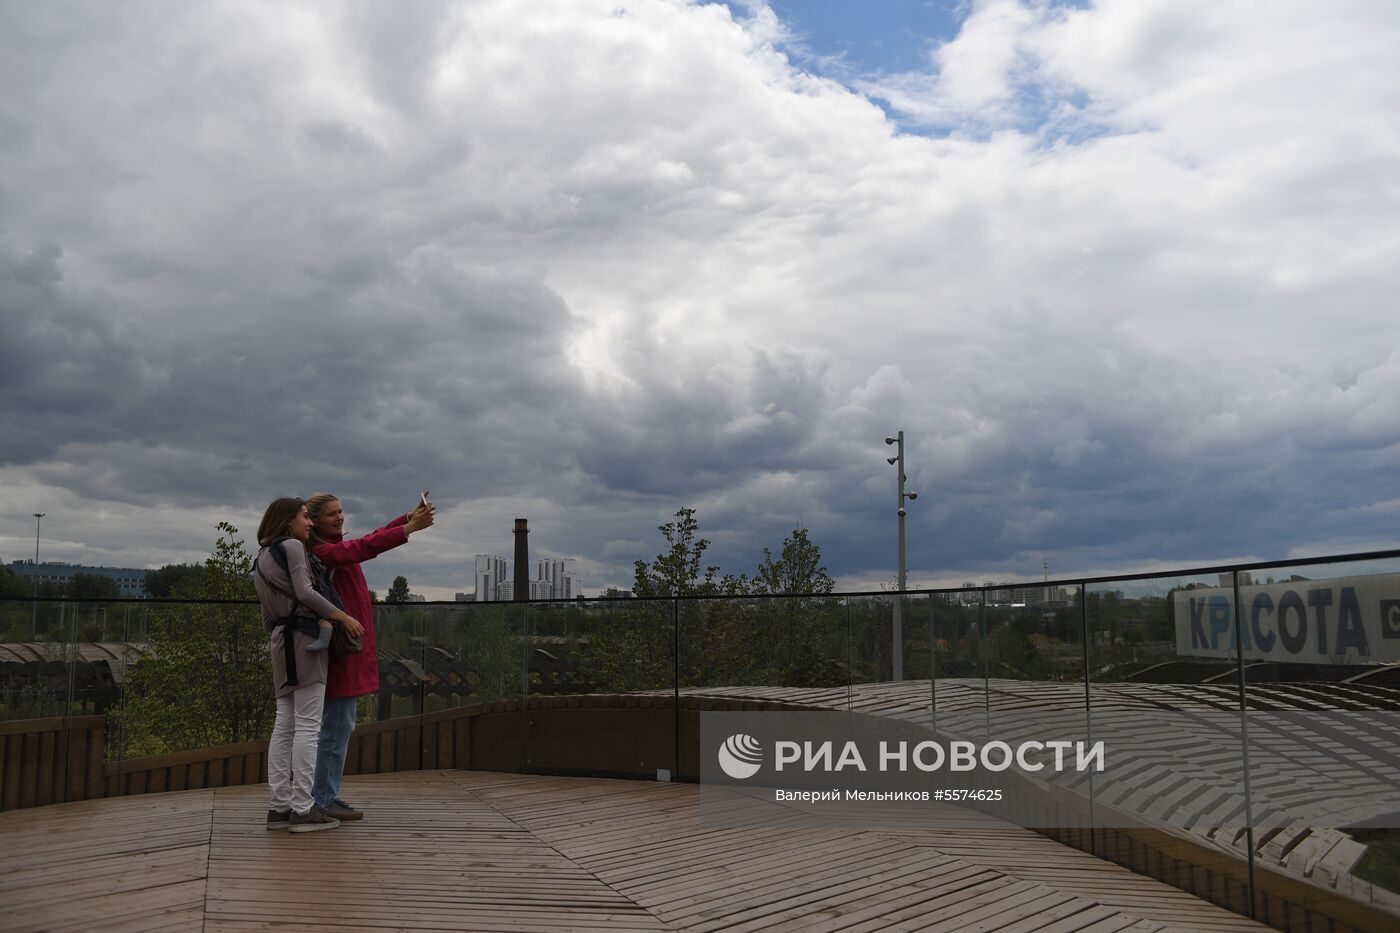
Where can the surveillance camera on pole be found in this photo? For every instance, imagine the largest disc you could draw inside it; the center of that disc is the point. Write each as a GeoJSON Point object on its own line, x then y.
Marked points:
{"type": "Point", "coordinates": [897, 461]}
{"type": "Point", "coordinates": [34, 615]}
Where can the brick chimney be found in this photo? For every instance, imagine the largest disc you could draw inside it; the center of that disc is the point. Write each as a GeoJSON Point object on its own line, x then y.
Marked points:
{"type": "Point", "coordinates": [520, 591]}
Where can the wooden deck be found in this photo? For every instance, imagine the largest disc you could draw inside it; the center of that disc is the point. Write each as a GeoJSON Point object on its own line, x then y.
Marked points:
{"type": "Point", "coordinates": [462, 850]}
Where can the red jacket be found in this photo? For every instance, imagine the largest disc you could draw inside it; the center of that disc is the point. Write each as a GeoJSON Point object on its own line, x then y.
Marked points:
{"type": "Point", "coordinates": [356, 674]}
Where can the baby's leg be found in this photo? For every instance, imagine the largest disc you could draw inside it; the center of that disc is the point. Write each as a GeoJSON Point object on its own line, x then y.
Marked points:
{"type": "Point", "coordinates": [323, 640]}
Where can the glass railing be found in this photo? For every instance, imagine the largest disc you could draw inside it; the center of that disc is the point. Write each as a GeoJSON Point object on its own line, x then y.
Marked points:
{"type": "Point", "coordinates": [1258, 705]}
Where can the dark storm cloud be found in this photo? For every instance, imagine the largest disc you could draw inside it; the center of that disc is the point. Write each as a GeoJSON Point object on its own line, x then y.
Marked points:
{"type": "Point", "coordinates": [757, 411]}
{"type": "Point", "coordinates": [407, 373]}
{"type": "Point", "coordinates": [63, 368]}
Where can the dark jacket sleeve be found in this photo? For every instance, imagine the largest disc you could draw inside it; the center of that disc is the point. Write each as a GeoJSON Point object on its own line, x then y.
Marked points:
{"type": "Point", "coordinates": [359, 550]}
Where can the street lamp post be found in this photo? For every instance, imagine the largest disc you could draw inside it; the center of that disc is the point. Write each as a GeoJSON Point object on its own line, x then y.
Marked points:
{"type": "Point", "coordinates": [34, 616]}
{"type": "Point", "coordinates": [898, 634]}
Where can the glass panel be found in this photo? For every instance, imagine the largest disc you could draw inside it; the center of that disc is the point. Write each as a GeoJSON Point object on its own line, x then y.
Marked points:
{"type": "Point", "coordinates": [788, 648]}
{"type": "Point", "coordinates": [872, 643]}
{"type": "Point", "coordinates": [37, 671]}
{"type": "Point", "coordinates": [400, 643]}
{"type": "Point", "coordinates": [126, 655]}
{"type": "Point", "coordinates": [473, 654]}
{"type": "Point", "coordinates": [623, 646]}
{"type": "Point", "coordinates": [728, 646]}
{"type": "Point", "coordinates": [192, 675]}
{"type": "Point", "coordinates": [1033, 645]}
{"type": "Point", "coordinates": [915, 637]}
{"type": "Point", "coordinates": [630, 646]}
{"type": "Point", "coordinates": [1035, 651]}
{"type": "Point", "coordinates": [556, 648]}
{"type": "Point", "coordinates": [1321, 644]}
{"type": "Point", "coordinates": [28, 693]}
{"type": "Point", "coordinates": [959, 660]}
{"type": "Point", "coordinates": [795, 642]}
{"type": "Point", "coordinates": [1165, 701]}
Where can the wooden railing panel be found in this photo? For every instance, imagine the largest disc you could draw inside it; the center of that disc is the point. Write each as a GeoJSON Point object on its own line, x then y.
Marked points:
{"type": "Point", "coordinates": [50, 760]}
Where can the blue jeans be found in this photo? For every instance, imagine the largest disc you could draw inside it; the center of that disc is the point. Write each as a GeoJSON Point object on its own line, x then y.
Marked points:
{"type": "Point", "coordinates": [337, 722]}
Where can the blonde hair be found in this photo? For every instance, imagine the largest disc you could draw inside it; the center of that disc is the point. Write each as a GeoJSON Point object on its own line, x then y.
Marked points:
{"type": "Point", "coordinates": [315, 505]}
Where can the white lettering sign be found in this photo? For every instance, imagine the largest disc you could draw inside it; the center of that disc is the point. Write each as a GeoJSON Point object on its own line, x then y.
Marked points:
{"type": "Point", "coordinates": [1338, 621]}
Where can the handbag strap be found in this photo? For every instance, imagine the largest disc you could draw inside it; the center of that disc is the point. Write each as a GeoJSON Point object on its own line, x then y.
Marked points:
{"type": "Point", "coordinates": [277, 552]}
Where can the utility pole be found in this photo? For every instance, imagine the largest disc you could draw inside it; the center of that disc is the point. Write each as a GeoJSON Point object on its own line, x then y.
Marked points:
{"type": "Point", "coordinates": [897, 654]}
{"type": "Point", "coordinates": [34, 616]}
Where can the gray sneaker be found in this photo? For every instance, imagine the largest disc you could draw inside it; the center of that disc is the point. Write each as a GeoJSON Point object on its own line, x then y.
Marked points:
{"type": "Point", "coordinates": [313, 820]}
{"type": "Point", "coordinates": [342, 811]}
{"type": "Point", "coordinates": [278, 819]}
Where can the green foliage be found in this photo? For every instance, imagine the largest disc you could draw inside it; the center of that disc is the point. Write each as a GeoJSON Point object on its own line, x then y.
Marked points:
{"type": "Point", "coordinates": [89, 619]}
{"type": "Point", "coordinates": [15, 618]}
{"type": "Point", "coordinates": [477, 642]}
{"type": "Point", "coordinates": [1010, 650]}
{"type": "Point", "coordinates": [677, 570]}
{"type": "Point", "coordinates": [173, 580]}
{"type": "Point", "coordinates": [491, 650]}
{"type": "Point", "coordinates": [12, 584]}
{"type": "Point", "coordinates": [958, 646]}
{"type": "Point", "coordinates": [398, 592]}
{"type": "Point", "coordinates": [798, 568]}
{"type": "Point", "coordinates": [630, 647]}
{"type": "Point", "coordinates": [205, 680]}
{"type": "Point", "coordinates": [91, 587]}
{"type": "Point", "coordinates": [1380, 863]}
{"type": "Point", "coordinates": [802, 641]}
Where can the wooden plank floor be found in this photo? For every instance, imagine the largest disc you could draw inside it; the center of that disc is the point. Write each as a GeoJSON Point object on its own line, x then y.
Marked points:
{"type": "Point", "coordinates": [456, 850]}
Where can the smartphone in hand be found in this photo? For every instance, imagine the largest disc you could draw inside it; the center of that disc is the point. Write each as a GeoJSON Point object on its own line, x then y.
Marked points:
{"type": "Point", "coordinates": [423, 499]}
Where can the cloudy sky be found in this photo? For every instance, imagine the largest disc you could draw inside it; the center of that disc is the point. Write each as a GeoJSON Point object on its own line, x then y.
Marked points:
{"type": "Point", "coordinates": [1125, 272]}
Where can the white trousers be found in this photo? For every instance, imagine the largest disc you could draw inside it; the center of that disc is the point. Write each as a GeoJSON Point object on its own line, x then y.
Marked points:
{"type": "Point", "coordinates": [291, 755]}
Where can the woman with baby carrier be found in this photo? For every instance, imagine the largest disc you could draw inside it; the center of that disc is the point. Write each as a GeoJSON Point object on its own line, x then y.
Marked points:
{"type": "Point", "coordinates": [285, 575]}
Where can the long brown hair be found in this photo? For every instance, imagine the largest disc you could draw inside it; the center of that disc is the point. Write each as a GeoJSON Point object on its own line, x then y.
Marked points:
{"type": "Point", "coordinates": [278, 516]}
{"type": "Point", "coordinates": [315, 505]}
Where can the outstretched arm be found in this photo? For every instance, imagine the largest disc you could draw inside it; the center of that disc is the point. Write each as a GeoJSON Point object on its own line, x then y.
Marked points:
{"type": "Point", "coordinates": [359, 550]}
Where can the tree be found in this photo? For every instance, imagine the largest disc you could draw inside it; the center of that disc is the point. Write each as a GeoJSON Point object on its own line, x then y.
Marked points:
{"type": "Point", "coordinates": [173, 580]}
{"type": "Point", "coordinates": [797, 638]}
{"type": "Point", "coordinates": [14, 621]}
{"type": "Point", "coordinates": [633, 649]}
{"type": "Point", "coordinates": [205, 678]}
{"type": "Point", "coordinates": [798, 569]}
{"type": "Point", "coordinates": [676, 571]}
{"type": "Point", "coordinates": [92, 588]}
{"type": "Point", "coordinates": [12, 584]}
{"type": "Point", "coordinates": [398, 592]}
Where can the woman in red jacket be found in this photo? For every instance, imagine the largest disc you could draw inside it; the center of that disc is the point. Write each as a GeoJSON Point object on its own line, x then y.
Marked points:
{"type": "Point", "coordinates": [350, 676]}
